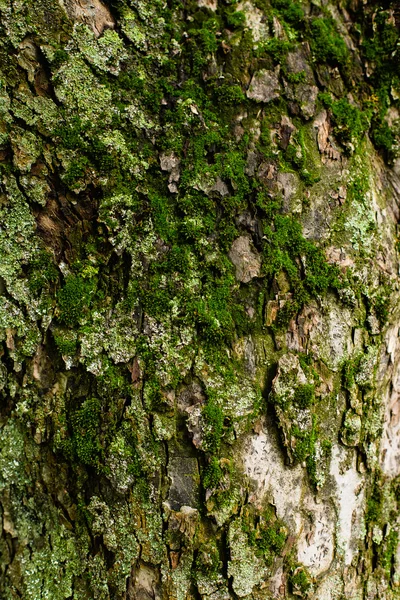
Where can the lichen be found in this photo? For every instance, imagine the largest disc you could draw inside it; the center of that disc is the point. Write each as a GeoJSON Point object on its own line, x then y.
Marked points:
{"type": "Point", "coordinates": [245, 568]}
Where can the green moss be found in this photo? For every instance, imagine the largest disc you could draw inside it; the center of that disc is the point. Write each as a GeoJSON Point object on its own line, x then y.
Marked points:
{"type": "Point", "coordinates": [42, 272]}
{"type": "Point", "coordinates": [285, 245]}
{"type": "Point", "coordinates": [159, 286]}
{"type": "Point", "coordinates": [388, 556]}
{"type": "Point", "coordinates": [383, 137]}
{"type": "Point", "coordinates": [359, 369]}
{"type": "Point", "coordinates": [213, 314]}
{"type": "Point", "coordinates": [272, 539]}
{"type": "Point", "coordinates": [212, 474]}
{"type": "Point", "coordinates": [295, 78]}
{"type": "Point", "coordinates": [208, 561]}
{"type": "Point", "coordinates": [84, 444]}
{"type": "Point", "coordinates": [235, 18]}
{"type": "Point", "coordinates": [380, 43]}
{"type": "Point", "coordinates": [307, 363]}
{"type": "Point", "coordinates": [265, 532]}
{"type": "Point", "coordinates": [271, 536]}
{"type": "Point", "coordinates": [60, 55]}
{"type": "Point", "coordinates": [291, 11]}
{"type": "Point", "coordinates": [304, 395]}
{"type": "Point", "coordinates": [74, 299]}
{"type": "Point", "coordinates": [374, 505]}
{"type": "Point", "coordinates": [76, 172]}
{"type": "Point", "coordinates": [230, 94]}
{"type": "Point", "coordinates": [226, 497]}
{"type": "Point", "coordinates": [305, 443]}
{"type": "Point", "coordinates": [66, 345]}
{"type": "Point", "coordinates": [300, 159]}
{"type": "Point", "coordinates": [350, 123]}
{"type": "Point", "coordinates": [240, 57]}
{"type": "Point", "coordinates": [300, 581]}
{"type": "Point", "coordinates": [380, 46]}
{"type": "Point", "coordinates": [214, 425]}
{"type": "Point", "coordinates": [278, 49]}
{"type": "Point", "coordinates": [156, 298]}
{"type": "Point", "coordinates": [358, 188]}
{"type": "Point", "coordinates": [153, 396]}
{"type": "Point", "coordinates": [71, 132]}
{"type": "Point", "coordinates": [326, 44]}
{"type": "Point", "coordinates": [206, 41]}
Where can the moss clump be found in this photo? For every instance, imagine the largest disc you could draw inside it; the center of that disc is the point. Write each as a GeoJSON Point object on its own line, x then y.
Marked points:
{"type": "Point", "coordinates": [380, 47]}
{"type": "Point", "coordinates": [214, 425]}
{"type": "Point", "coordinates": [74, 299]}
{"type": "Point", "coordinates": [326, 44]}
{"type": "Point", "coordinates": [388, 555]}
{"type": "Point", "coordinates": [225, 498]}
{"type": "Point", "coordinates": [284, 250]}
{"type": "Point", "coordinates": [265, 532]}
{"type": "Point", "coordinates": [66, 345]}
{"type": "Point", "coordinates": [350, 123]}
{"type": "Point", "coordinates": [235, 18]}
{"type": "Point", "coordinates": [76, 171]}
{"type": "Point", "coordinates": [42, 272]}
{"type": "Point", "coordinates": [277, 49]}
{"type": "Point", "coordinates": [202, 42]}
{"type": "Point", "coordinates": [208, 561]}
{"type": "Point", "coordinates": [383, 136]}
{"type": "Point", "coordinates": [212, 474]}
{"type": "Point", "coordinates": [300, 581]}
{"type": "Point", "coordinates": [271, 536]}
{"type": "Point", "coordinates": [374, 505]}
{"type": "Point", "coordinates": [84, 444]}
{"type": "Point", "coordinates": [291, 11]}
{"type": "Point", "coordinates": [295, 78]}
{"type": "Point", "coordinates": [304, 395]}
{"type": "Point", "coordinates": [305, 443]}
{"type": "Point", "coordinates": [230, 94]}
{"type": "Point", "coordinates": [213, 313]}
{"type": "Point", "coordinates": [153, 396]}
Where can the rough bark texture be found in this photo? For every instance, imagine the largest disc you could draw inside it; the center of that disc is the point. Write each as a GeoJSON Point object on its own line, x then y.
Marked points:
{"type": "Point", "coordinates": [199, 299]}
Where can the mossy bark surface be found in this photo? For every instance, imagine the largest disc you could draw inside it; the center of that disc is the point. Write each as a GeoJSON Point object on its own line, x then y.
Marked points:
{"type": "Point", "coordinates": [199, 299]}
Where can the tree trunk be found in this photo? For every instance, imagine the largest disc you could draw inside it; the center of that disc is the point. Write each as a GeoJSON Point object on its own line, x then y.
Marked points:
{"type": "Point", "coordinates": [199, 299]}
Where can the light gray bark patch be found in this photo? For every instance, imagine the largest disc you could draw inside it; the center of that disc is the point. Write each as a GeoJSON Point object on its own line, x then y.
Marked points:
{"type": "Point", "coordinates": [264, 86]}
{"type": "Point", "coordinates": [246, 260]}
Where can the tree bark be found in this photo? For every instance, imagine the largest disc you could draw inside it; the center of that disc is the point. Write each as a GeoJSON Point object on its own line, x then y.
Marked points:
{"type": "Point", "coordinates": [199, 299]}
